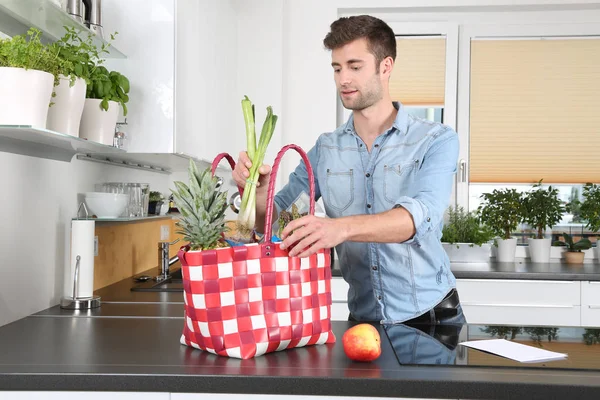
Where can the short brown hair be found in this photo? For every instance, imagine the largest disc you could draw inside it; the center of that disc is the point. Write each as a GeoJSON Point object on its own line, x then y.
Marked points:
{"type": "Point", "coordinates": [380, 37]}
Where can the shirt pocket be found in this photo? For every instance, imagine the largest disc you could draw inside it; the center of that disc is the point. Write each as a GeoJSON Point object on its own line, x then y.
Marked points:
{"type": "Point", "coordinates": [397, 179]}
{"type": "Point", "coordinates": [340, 189]}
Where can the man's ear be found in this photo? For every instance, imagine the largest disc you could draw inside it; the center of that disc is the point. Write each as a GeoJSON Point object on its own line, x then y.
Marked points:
{"type": "Point", "coordinates": [386, 66]}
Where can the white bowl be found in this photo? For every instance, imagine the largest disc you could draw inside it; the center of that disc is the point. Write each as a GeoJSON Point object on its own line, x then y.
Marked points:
{"type": "Point", "coordinates": [106, 205]}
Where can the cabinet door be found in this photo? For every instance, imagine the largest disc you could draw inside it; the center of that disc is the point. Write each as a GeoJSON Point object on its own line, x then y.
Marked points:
{"type": "Point", "coordinates": [590, 303]}
{"type": "Point", "coordinates": [520, 302]}
{"type": "Point", "coordinates": [83, 395]}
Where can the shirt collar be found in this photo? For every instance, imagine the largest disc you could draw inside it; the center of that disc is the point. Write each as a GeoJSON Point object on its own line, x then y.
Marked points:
{"type": "Point", "coordinates": [400, 123]}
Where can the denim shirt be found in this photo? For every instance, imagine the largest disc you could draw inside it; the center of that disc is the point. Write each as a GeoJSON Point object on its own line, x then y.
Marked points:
{"type": "Point", "coordinates": [410, 165]}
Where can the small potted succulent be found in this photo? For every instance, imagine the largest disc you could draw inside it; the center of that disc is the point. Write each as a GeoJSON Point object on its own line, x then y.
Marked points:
{"type": "Point", "coordinates": [155, 202]}
{"type": "Point", "coordinates": [574, 253]}
{"type": "Point", "coordinates": [590, 211]}
{"type": "Point", "coordinates": [465, 238]}
{"type": "Point", "coordinates": [502, 210]}
{"type": "Point", "coordinates": [543, 209]}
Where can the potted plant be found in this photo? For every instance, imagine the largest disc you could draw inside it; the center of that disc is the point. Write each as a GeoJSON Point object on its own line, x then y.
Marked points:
{"type": "Point", "coordinates": [543, 209]}
{"type": "Point", "coordinates": [502, 210]}
{"type": "Point", "coordinates": [155, 202]}
{"type": "Point", "coordinates": [590, 211]}
{"type": "Point", "coordinates": [465, 238]}
{"type": "Point", "coordinates": [81, 58]}
{"type": "Point", "coordinates": [574, 253]}
{"type": "Point", "coordinates": [28, 72]}
{"type": "Point", "coordinates": [202, 206]}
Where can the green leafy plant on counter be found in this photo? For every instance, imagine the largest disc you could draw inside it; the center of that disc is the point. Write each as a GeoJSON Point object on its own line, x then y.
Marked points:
{"type": "Point", "coordinates": [503, 332]}
{"type": "Point", "coordinates": [29, 52]}
{"type": "Point", "coordinates": [502, 210]}
{"type": "Point", "coordinates": [591, 336]}
{"type": "Point", "coordinates": [156, 196]}
{"type": "Point", "coordinates": [590, 207]}
{"type": "Point", "coordinates": [572, 246]}
{"type": "Point", "coordinates": [465, 227]}
{"type": "Point", "coordinates": [543, 208]}
{"type": "Point", "coordinates": [537, 334]}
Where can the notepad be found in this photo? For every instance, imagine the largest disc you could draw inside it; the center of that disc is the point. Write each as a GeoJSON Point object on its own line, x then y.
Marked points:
{"type": "Point", "coordinates": [515, 351]}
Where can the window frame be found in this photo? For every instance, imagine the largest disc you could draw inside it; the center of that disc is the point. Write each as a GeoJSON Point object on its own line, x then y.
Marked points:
{"type": "Point", "coordinates": [468, 32]}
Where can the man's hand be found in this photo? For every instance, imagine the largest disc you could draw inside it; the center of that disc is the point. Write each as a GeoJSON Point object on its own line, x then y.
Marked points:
{"type": "Point", "coordinates": [242, 172]}
{"type": "Point", "coordinates": [311, 234]}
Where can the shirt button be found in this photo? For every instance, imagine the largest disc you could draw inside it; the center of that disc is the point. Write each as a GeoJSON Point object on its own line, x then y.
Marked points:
{"type": "Point", "coordinates": [374, 267]}
{"type": "Point", "coordinates": [376, 145]}
{"type": "Point", "coordinates": [367, 175]}
{"type": "Point", "coordinates": [378, 297]}
{"type": "Point", "coordinates": [428, 219]}
{"type": "Point", "coordinates": [368, 206]}
{"type": "Point", "coordinates": [360, 145]}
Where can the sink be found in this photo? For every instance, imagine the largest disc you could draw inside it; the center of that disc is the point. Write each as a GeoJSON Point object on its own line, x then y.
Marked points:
{"type": "Point", "coordinates": [172, 284]}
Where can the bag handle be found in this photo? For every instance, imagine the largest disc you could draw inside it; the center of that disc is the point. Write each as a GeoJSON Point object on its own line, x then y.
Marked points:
{"type": "Point", "coordinates": [271, 189]}
{"type": "Point", "coordinates": [231, 161]}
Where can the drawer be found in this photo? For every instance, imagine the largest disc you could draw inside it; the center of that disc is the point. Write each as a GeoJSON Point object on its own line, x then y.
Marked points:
{"type": "Point", "coordinates": [339, 289]}
{"type": "Point", "coordinates": [523, 315]}
{"type": "Point", "coordinates": [590, 303]}
{"type": "Point", "coordinates": [509, 292]}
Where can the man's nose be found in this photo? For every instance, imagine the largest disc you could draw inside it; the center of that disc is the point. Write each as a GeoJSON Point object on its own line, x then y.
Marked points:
{"type": "Point", "coordinates": [345, 78]}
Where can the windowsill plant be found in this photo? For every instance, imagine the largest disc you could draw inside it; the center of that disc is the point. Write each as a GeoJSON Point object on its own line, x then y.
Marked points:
{"type": "Point", "coordinates": [502, 210]}
{"type": "Point", "coordinates": [543, 209]}
{"type": "Point", "coordinates": [574, 253]}
{"type": "Point", "coordinates": [464, 237]}
{"type": "Point", "coordinates": [590, 211]}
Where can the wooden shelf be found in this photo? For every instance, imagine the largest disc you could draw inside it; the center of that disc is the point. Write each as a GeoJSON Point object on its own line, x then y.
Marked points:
{"type": "Point", "coordinates": [17, 16]}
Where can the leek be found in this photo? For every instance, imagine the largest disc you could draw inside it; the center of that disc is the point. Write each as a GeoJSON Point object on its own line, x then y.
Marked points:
{"type": "Point", "coordinates": [256, 153]}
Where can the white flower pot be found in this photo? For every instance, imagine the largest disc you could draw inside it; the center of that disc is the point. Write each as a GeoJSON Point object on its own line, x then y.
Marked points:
{"type": "Point", "coordinates": [539, 250]}
{"type": "Point", "coordinates": [98, 125]}
{"type": "Point", "coordinates": [467, 252]}
{"type": "Point", "coordinates": [25, 96]}
{"type": "Point", "coordinates": [64, 115]}
{"type": "Point", "coordinates": [506, 250]}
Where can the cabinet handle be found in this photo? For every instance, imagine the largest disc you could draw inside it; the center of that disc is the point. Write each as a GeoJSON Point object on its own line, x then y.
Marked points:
{"type": "Point", "coordinates": [462, 167]}
{"type": "Point", "coordinates": [594, 307]}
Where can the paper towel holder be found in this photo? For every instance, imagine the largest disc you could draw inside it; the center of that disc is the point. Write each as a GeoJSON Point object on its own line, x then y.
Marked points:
{"type": "Point", "coordinates": [76, 302]}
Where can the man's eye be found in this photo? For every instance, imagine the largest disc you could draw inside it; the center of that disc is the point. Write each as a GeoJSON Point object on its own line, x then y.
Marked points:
{"type": "Point", "coordinates": [355, 68]}
{"type": "Point", "coordinates": [336, 70]}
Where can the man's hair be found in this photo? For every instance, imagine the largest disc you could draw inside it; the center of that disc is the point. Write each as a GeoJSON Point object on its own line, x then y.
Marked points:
{"type": "Point", "coordinates": [381, 40]}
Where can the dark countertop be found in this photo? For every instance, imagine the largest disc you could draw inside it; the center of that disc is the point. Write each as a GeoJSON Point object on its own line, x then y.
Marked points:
{"type": "Point", "coordinates": [131, 343]}
{"type": "Point", "coordinates": [555, 271]}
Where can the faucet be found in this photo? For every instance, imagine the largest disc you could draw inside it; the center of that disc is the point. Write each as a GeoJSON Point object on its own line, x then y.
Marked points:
{"type": "Point", "coordinates": [164, 262]}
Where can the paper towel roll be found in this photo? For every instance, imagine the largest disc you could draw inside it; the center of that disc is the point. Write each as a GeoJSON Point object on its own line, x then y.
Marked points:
{"type": "Point", "coordinates": [82, 244]}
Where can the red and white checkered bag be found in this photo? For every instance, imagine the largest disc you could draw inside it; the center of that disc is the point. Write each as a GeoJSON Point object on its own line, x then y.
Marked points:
{"type": "Point", "coordinates": [245, 301]}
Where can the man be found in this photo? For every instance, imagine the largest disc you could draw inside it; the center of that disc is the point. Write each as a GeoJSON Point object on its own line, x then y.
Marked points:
{"type": "Point", "coordinates": [385, 178]}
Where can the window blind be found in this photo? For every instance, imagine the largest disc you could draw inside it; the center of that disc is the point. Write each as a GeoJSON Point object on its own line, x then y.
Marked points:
{"type": "Point", "coordinates": [535, 110]}
{"type": "Point", "coordinates": [419, 74]}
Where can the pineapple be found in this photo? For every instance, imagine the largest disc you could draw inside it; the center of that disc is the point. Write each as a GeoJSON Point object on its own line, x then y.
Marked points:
{"type": "Point", "coordinates": [202, 207]}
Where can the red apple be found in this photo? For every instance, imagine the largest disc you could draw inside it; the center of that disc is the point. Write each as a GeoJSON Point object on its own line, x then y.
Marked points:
{"type": "Point", "coordinates": [362, 343]}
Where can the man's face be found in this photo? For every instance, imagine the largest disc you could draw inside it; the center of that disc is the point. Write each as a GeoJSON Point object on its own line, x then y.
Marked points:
{"type": "Point", "coordinates": [357, 80]}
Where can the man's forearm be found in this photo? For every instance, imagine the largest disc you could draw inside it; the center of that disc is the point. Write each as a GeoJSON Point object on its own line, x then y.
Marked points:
{"type": "Point", "coordinates": [393, 226]}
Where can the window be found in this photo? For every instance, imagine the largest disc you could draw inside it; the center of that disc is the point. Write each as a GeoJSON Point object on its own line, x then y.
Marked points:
{"type": "Point", "coordinates": [528, 110]}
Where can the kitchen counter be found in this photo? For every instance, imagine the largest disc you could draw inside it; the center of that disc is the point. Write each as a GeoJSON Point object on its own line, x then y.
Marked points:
{"type": "Point", "coordinates": [133, 345]}
{"type": "Point", "coordinates": [554, 271]}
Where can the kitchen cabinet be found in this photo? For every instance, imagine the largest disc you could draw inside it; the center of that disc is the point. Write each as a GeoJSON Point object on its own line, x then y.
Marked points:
{"type": "Point", "coordinates": [82, 395]}
{"type": "Point", "coordinates": [339, 297]}
{"type": "Point", "coordinates": [590, 303]}
{"type": "Point", "coordinates": [520, 302]}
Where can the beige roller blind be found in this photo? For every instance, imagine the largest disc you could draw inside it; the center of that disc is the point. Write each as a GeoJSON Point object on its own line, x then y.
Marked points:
{"type": "Point", "coordinates": [419, 75]}
{"type": "Point", "coordinates": [535, 111]}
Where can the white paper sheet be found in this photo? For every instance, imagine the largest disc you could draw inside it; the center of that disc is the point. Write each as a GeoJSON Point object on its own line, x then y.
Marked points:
{"type": "Point", "coordinates": [515, 351]}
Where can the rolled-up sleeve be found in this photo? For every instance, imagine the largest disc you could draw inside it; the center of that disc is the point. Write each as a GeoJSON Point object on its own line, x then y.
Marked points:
{"type": "Point", "coordinates": [434, 182]}
{"type": "Point", "coordinates": [298, 181]}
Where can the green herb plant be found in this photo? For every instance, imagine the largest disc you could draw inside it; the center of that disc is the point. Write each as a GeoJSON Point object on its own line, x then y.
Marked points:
{"type": "Point", "coordinates": [155, 196]}
{"type": "Point", "coordinates": [29, 52]}
{"type": "Point", "coordinates": [543, 208]}
{"type": "Point", "coordinates": [502, 210]}
{"type": "Point", "coordinates": [465, 227]}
